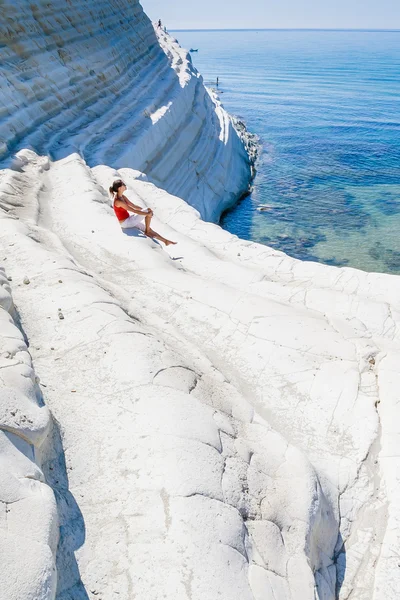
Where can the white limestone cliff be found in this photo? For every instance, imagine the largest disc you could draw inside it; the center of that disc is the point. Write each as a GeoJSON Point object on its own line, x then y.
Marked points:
{"type": "Point", "coordinates": [96, 78]}
{"type": "Point", "coordinates": [28, 515]}
{"type": "Point", "coordinates": [228, 415]}
{"type": "Point", "coordinates": [225, 418]}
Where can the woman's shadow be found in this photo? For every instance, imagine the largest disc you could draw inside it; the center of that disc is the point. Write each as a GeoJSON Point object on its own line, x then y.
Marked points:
{"type": "Point", "coordinates": [137, 233]}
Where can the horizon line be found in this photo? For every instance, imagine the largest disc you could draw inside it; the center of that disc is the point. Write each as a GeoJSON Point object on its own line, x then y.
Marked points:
{"type": "Point", "coordinates": [288, 29]}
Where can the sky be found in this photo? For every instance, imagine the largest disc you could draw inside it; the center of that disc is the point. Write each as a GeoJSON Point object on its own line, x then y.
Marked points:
{"type": "Point", "coordinates": [275, 14]}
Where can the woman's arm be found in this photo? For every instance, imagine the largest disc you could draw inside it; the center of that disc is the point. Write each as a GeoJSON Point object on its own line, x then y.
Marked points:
{"type": "Point", "coordinates": [131, 207]}
{"type": "Point", "coordinates": [134, 207]}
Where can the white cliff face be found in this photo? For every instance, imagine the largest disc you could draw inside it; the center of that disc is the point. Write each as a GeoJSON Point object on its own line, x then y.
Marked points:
{"type": "Point", "coordinates": [225, 417]}
{"type": "Point", "coordinates": [228, 417]}
{"type": "Point", "coordinates": [167, 462]}
{"type": "Point", "coordinates": [28, 515]}
{"type": "Point", "coordinates": [95, 78]}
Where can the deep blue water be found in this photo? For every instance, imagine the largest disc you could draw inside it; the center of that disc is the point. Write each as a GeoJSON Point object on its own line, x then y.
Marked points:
{"type": "Point", "coordinates": [326, 105]}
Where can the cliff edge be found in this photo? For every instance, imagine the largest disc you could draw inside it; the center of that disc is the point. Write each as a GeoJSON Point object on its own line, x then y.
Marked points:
{"type": "Point", "coordinates": [96, 78]}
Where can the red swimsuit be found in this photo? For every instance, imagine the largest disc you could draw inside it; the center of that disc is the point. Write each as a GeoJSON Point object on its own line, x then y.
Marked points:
{"type": "Point", "coordinates": [120, 212]}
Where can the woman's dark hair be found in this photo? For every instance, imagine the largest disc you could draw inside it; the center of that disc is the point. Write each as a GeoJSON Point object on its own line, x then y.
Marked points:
{"type": "Point", "coordinates": [114, 188]}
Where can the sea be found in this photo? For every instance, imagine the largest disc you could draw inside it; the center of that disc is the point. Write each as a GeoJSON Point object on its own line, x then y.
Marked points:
{"type": "Point", "coordinates": [326, 107]}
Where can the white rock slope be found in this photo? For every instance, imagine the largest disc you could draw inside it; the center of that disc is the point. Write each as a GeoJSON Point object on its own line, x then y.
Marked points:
{"type": "Point", "coordinates": [94, 78]}
{"type": "Point", "coordinates": [228, 417]}
{"type": "Point", "coordinates": [225, 418]}
{"type": "Point", "coordinates": [28, 515]}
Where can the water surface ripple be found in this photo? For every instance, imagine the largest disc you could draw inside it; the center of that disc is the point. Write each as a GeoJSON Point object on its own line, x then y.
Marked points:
{"type": "Point", "coordinates": [326, 105]}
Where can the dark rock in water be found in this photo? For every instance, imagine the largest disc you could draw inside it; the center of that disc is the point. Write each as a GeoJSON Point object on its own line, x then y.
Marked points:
{"type": "Point", "coordinates": [306, 243]}
{"type": "Point", "coordinates": [296, 246]}
{"type": "Point", "coordinates": [376, 251]}
{"type": "Point", "coordinates": [265, 208]}
{"type": "Point", "coordinates": [337, 209]}
{"type": "Point", "coordinates": [391, 258]}
{"type": "Point", "coordinates": [387, 204]}
{"type": "Point", "coordinates": [336, 262]}
{"type": "Point", "coordinates": [266, 240]}
{"type": "Point", "coordinates": [309, 257]}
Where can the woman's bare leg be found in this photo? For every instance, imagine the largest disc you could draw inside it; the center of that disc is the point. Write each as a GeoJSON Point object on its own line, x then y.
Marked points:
{"type": "Point", "coordinates": [147, 221]}
{"type": "Point", "coordinates": [153, 234]}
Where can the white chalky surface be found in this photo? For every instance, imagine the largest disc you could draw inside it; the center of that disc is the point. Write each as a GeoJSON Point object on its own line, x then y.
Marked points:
{"type": "Point", "coordinates": [225, 415]}
{"type": "Point", "coordinates": [28, 512]}
{"type": "Point", "coordinates": [94, 77]}
{"type": "Point", "coordinates": [225, 419]}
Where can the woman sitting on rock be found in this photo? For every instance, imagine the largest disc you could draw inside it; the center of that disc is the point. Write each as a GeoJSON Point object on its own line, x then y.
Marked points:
{"type": "Point", "coordinates": [121, 207]}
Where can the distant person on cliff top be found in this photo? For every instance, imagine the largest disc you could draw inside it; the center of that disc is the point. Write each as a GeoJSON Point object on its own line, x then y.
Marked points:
{"type": "Point", "coordinates": [121, 207]}
{"type": "Point", "coordinates": [159, 23]}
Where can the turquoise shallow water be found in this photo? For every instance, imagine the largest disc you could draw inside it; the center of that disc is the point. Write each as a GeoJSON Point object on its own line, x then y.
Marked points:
{"type": "Point", "coordinates": [326, 105]}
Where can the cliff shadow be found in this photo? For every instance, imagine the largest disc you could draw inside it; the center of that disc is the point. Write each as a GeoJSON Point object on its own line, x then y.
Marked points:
{"type": "Point", "coordinates": [72, 525]}
{"type": "Point", "coordinates": [238, 219]}
{"type": "Point", "coordinates": [340, 562]}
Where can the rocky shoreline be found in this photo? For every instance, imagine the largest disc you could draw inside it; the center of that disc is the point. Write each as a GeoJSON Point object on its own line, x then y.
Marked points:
{"type": "Point", "coordinates": [251, 141]}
